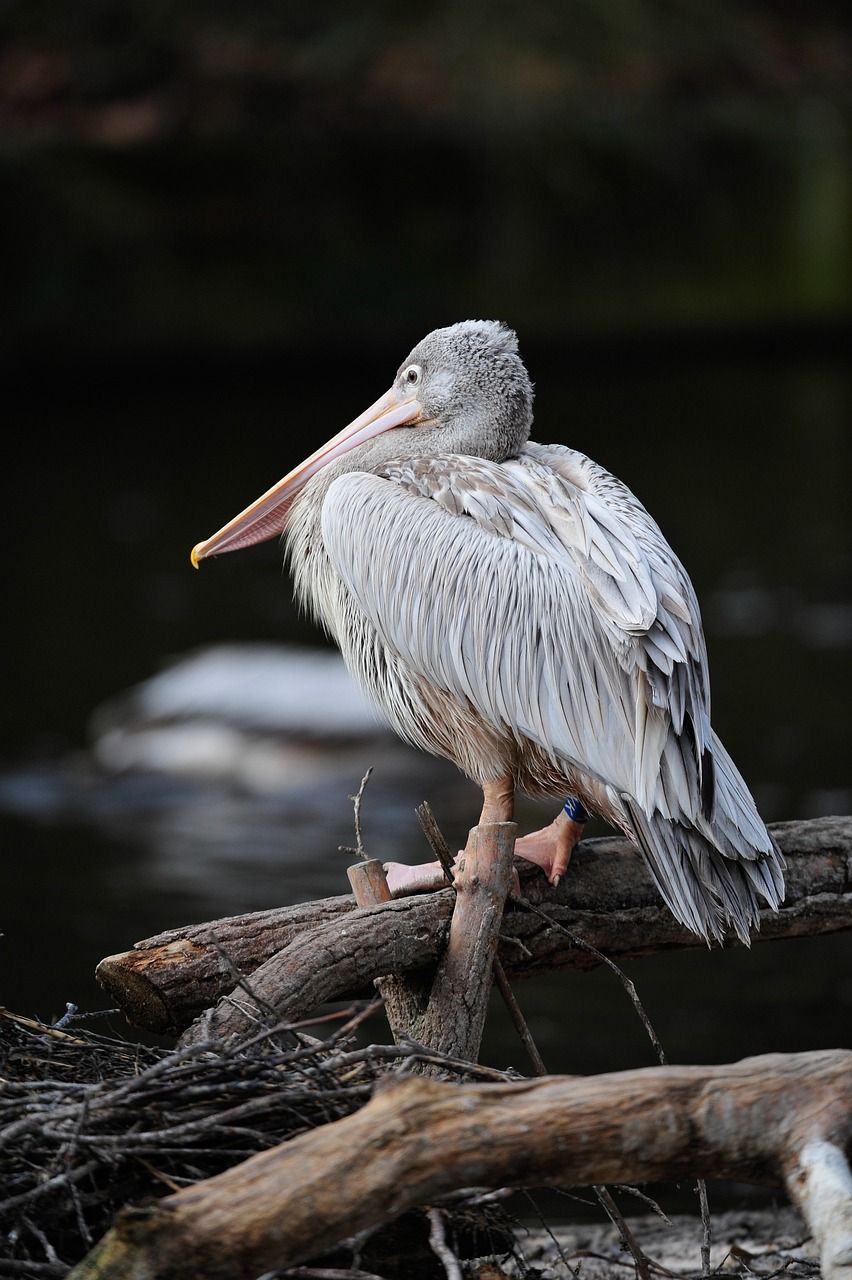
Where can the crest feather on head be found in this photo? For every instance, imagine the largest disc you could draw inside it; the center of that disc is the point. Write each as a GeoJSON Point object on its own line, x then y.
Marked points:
{"type": "Point", "coordinates": [491, 333]}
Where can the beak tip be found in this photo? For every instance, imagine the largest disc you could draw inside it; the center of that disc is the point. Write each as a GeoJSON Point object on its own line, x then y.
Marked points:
{"type": "Point", "coordinates": [195, 555]}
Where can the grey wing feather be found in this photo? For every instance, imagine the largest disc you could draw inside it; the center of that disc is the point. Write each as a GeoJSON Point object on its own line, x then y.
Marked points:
{"type": "Point", "coordinates": [555, 607]}
{"type": "Point", "coordinates": [500, 630]}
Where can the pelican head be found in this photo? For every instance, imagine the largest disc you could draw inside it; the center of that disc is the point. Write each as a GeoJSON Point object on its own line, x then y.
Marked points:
{"type": "Point", "coordinates": [463, 389]}
{"type": "Point", "coordinates": [471, 383]}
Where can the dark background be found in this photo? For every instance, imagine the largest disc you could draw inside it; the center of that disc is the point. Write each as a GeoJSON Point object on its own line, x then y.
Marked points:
{"type": "Point", "coordinates": [223, 226]}
{"type": "Point", "coordinates": [221, 229]}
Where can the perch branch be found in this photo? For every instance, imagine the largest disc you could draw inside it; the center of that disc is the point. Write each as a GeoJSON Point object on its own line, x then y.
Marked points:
{"type": "Point", "coordinates": [458, 1003]}
{"type": "Point", "coordinates": [441, 849]}
{"type": "Point", "coordinates": [166, 981]}
{"type": "Point", "coordinates": [393, 937]}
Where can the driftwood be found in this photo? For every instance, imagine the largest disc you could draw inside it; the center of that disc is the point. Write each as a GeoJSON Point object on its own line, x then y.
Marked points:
{"type": "Point", "coordinates": [407, 998]}
{"type": "Point", "coordinates": [298, 957]}
{"type": "Point", "coordinates": [457, 1000]}
{"type": "Point", "coordinates": [369, 943]}
{"type": "Point", "coordinates": [781, 1119]}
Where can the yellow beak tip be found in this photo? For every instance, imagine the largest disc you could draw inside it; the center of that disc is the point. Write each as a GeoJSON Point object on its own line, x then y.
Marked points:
{"type": "Point", "coordinates": [195, 558]}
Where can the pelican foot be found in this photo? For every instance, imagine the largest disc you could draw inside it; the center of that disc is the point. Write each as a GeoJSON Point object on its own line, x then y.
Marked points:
{"type": "Point", "coordinates": [426, 877]}
{"type": "Point", "coordinates": [551, 847]}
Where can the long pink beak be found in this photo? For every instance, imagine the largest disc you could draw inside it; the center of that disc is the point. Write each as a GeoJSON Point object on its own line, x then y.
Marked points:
{"type": "Point", "coordinates": [267, 514]}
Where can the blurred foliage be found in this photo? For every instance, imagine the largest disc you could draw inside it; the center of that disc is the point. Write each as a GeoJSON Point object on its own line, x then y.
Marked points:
{"type": "Point", "coordinates": [220, 176]}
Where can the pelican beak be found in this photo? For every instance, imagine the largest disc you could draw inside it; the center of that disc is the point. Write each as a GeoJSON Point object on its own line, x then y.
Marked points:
{"type": "Point", "coordinates": [266, 516]}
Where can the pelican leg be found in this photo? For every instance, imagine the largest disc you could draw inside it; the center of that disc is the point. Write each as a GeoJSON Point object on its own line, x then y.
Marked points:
{"type": "Point", "coordinates": [552, 846]}
{"type": "Point", "coordinates": [498, 800]}
{"type": "Point", "coordinates": [498, 805]}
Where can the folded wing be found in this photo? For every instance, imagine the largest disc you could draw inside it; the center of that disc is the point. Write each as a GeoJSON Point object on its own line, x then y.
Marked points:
{"type": "Point", "coordinates": [541, 591]}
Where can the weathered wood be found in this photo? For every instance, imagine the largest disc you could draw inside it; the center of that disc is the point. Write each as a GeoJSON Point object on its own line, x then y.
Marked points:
{"type": "Point", "coordinates": [819, 1183]}
{"type": "Point", "coordinates": [455, 1018]}
{"type": "Point", "coordinates": [168, 979]}
{"type": "Point", "coordinates": [405, 999]}
{"type": "Point", "coordinates": [442, 852]}
{"type": "Point", "coordinates": [763, 1120]}
{"type": "Point", "coordinates": [393, 937]}
{"type": "Point", "coordinates": [607, 899]}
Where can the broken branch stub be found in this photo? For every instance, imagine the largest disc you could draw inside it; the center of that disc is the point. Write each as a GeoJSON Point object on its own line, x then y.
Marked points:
{"type": "Point", "coordinates": [405, 998]}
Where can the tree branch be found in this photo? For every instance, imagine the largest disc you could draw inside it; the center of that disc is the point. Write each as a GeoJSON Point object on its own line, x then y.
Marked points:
{"type": "Point", "coordinates": [773, 1119]}
{"type": "Point", "coordinates": [607, 899]}
{"type": "Point", "coordinates": [393, 937]}
{"type": "Point", "coordinates": [455, 1018]}
{"type": "Point", "coordinates": [405, 998]}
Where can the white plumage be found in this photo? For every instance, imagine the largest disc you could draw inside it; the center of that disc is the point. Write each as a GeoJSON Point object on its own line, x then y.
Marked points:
{"type": "Point", "coordinates": [512, 606]}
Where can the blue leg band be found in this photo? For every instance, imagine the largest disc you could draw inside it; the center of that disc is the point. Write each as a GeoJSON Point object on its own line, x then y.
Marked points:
{"type": "Point", "coordinates": [575, 810]}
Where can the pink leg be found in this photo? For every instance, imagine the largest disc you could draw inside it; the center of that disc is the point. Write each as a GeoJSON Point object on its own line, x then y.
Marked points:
{"type": "Point", "coordinates": [551, 847]}
{"type": "Point", "coordinates": [498, 802]}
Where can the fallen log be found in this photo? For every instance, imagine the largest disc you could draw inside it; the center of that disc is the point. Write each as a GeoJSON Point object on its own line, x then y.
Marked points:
{"type": "Point", "coordinates": [781, 1119]}
{"type": "Point", "coordinates": [607, 899]}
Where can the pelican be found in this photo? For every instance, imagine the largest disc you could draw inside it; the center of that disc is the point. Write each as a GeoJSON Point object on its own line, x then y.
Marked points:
{"type": "Point", "coordinates": [513, 607]}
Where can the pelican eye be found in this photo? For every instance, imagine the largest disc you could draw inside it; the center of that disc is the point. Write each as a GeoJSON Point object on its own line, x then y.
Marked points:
{"type": "Point", "coordinates": [412, 375]}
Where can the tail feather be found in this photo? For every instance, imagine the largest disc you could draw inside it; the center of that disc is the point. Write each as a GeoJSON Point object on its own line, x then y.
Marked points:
{"type": "Point", "coordinates": [713, 875]}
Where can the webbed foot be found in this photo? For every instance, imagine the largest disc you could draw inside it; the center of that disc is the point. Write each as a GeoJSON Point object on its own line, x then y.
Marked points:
{"type": "Point", "coordinates": [552, 846]}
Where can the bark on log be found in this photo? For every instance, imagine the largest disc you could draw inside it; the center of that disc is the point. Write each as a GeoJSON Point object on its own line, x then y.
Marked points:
{"type": "Point", "coordinates": [607, 898]}
{"type": "Point", "coordinates": [168, 979]}
{"type": "Point", "coordinates": [393, 937]}
{"type": "Point", "coordinates": [780, 1118]}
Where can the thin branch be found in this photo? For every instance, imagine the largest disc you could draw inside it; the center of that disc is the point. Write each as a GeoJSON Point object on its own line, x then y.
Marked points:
{"type": "Point", "coordinates": [435, 836]}
{"type": "Point", "coordinates": [520, 1022]}
{"type": "Point", "coordinates": [526, 905]}
{"type": "Point", "coordinates": [68, 1015]}
{"type": "Point", "coordinates": [359, 850]}
{"type": "Point", "coordinates": [324, 1273]}
{"type": "Point", "coordinates": [438, 1245]}
{"type": "Point", "coordinates": [646, 1199]}
{"type": "Point", "coordinates": [628, 1239]}
{"type": "Point", "coordinates": [706, 1228]}
{"type": "Point", "coordinates": [548, 1230]}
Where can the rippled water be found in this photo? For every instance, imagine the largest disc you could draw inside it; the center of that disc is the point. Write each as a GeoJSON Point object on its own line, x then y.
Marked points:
{"type": "Point", "coordinates": [745, 466]}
